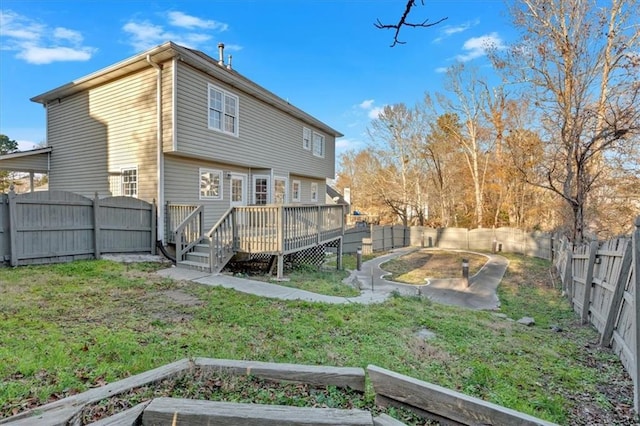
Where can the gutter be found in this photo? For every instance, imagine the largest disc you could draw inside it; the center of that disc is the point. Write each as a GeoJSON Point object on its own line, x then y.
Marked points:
{"type": "Point", "coordinates": [159, 154]}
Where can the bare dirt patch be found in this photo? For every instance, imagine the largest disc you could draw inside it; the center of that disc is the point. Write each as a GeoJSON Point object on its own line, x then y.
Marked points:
{"type": "Point", "coordinates": [415, 267]}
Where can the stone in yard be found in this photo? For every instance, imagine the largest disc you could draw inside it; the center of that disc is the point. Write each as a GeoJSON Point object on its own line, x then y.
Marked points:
{"type": "Point", "coordinates": [528, 321]}
{"type": "Point", "coordinates": [425, 334]}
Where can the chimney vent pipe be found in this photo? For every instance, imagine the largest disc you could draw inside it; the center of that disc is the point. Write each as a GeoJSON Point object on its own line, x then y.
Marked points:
{"type": "Point", "coordinates": [221, 53]}
{"type": "Point", "coordinates": [229, 64]}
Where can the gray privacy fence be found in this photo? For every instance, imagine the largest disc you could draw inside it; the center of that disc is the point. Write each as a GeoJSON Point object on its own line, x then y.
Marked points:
{"type": "Point", "coordinates": [58, 226]}
{"type": "Point", "coordinates": [602, 283]}
{"type": "Point", "coordinates": [380, 238]}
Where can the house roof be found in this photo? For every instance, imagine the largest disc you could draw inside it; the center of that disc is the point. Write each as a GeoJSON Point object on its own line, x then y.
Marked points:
{"type": "Point", "coordinates": [337, 197]}
{"type": "Point", "coordinates": [195, 58]}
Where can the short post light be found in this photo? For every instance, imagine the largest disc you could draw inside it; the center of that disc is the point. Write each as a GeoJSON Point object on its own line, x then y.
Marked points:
{"type": "Point", "coordinates": [465, 272]}
{"type": "Point", "coordinates": [359, 258]}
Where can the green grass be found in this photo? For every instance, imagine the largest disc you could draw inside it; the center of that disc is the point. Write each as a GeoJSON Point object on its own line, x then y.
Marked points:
{"type": "Point", "coordinates": [66, 328]}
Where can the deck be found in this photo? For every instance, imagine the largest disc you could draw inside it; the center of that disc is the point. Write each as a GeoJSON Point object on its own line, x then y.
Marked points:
{"type": "Point", "coordinates": [275, 230]}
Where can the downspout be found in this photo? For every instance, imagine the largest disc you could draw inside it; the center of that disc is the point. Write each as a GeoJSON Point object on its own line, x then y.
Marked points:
{"type": "Point", "coordinates": [159, 154]}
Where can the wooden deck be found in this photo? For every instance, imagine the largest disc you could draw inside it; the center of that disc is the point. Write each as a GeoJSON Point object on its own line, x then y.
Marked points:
{"type": "Point", "coordinates": [275, 230]}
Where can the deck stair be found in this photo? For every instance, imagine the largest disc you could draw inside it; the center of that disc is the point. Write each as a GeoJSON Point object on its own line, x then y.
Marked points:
{"type": "Point", "coordinates": [198, 258]}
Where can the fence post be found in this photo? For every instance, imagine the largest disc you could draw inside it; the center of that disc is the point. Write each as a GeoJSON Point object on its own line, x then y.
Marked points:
{"type": "Point", "coordinates": [636, 320]}
{"type": "Point", "coordinates": [96, 226]}
{"type": "Point", "coordinates": [154, 226]}
{"type": "Point", "coordinates": [586, 301]}
{"type": "Point", "coordinates": [13, 228]}
{"type": "Point", "coordinates": [616, 298]}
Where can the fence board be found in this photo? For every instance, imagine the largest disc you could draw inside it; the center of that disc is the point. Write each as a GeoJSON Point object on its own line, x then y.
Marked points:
{"type": "Point", "coordinates": [609, 280]}
{"type": "Point", "coordinates": [59, 226]}
{"type": "Point", "coordinates": [610, 274]}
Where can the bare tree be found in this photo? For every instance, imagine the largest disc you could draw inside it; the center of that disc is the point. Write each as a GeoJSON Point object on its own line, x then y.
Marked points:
{"type": "Point", "coordinates": [467, 100]}
{"type": "Point", "coordinates": [402, 22]}
{"type": "Point", "coordinates": [580, 63]}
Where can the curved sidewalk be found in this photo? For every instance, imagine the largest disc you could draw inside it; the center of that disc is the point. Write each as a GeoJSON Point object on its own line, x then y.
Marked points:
{"type": "Point", "coordinates": [481, 293]}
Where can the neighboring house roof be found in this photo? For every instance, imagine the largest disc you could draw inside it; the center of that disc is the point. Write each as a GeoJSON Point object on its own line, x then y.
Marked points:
{"type": "Point", "coordinates": [197, 59]}
{"type": "Point", "coordinates": [335, 196]}
{"type": "Point", "coordinates": [34, 160]}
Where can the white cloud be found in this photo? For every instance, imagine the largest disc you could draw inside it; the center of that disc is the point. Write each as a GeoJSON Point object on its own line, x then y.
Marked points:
{"type": "Point", "coordinates": [39, 44]}
{"type": "Point", "coordinates": [367, 104]}
{"type": "Point", "coordinates": [449, 30]}
{"type": "Point", "coordinates": [190, 31]}
{"type": "Point", "coordinates": [344, 144]}
{"type": "Point", "coordinates": [72, 36]}
{"type": "Point", "coordinates": [45, 55]}
{"type": "Point", "coordinates": [26, 145]}
{"type": "Point", "coordinates": [476, 47]}
{"type": "Point", "coordinates": [441, 70]}
{"type": "Point", "coordinates": [180, 19]}
{"type": "Point", "coordinates": [374, 113]}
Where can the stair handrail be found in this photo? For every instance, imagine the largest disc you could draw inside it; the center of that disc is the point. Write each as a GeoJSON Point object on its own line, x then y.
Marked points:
{"type": "Point", "coordinates": [186, 241]}
{"type": "Point", "coordinates": [222, 241]}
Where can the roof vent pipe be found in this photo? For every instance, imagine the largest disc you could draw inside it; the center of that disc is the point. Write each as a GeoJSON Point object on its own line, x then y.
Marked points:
{"type": "Point", "coordinates": [229, 64]}
{"type": "Point", "coordinates": [221, 54]}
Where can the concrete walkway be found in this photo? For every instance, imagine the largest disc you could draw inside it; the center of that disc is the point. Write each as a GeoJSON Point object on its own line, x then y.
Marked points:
{"type": "Point", "coordinates": [481, 293]}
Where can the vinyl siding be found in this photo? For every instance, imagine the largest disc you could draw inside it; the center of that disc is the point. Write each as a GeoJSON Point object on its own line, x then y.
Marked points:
{"type": "Point", "coordinates": [305, 190]}
{"type": "Point", "coordinates": [268, 137]}
{"type": "Point", "coordinates": [37, 163]}
{"type": "Point", "coordinates": [182, 185]}
{"type": "Point", "coordinates": [94, 134]}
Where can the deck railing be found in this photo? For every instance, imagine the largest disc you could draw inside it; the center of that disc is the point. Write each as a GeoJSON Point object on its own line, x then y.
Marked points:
{"type": "Point", "coordinates": [222, 244]}
{"type": "Point", "coordinates": [189, 233]}
{"type": "Point", "coordinates": [282, 229]}
{"type": "Point", "coordinates": [176, 214]}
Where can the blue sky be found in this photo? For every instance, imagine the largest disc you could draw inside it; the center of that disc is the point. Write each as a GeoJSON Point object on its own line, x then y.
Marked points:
{"type": "Point", "coordinates": [324, 56]}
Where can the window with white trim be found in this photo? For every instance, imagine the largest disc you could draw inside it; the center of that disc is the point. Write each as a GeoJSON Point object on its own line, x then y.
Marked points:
{"type": "Point", "coordinates": [129, 182]}
{"type": "Point", "coordinates": [314, 192]}
{"type": "Point", "coordinates": [210, 184]}
{"type": "Point", "coordinates": [223, 110]}
{"type": "Point", "coordinates": [295, 191]}
{"type": "Point", "coordinates": [306, 138]}
{"type": "Point", "coordinates": [318, 145]}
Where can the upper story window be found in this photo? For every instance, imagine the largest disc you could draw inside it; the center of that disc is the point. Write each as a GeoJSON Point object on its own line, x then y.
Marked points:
{"type": "Point", "coordinates": [210, 184]}
{"type": "Point", "coordinates": [223, 110]}
{"type": "Point", "coordinates": [129, 179]}
{"type": "Point", "coordinates": [306, 138]}
{"type": "Point", "coordinates": [318, 145]}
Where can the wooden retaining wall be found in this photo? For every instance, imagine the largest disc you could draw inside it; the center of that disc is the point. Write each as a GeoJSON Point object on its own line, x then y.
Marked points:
{"type": "Point", "coordinates": [601, 281]}
{"type": "Point", "coordinates": [58, 226]}
{"type": "Point", "coordinates": [423, 398]}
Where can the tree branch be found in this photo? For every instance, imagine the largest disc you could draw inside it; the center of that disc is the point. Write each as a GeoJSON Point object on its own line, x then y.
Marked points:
{"type": "Point", "coordinates": [403, 23]}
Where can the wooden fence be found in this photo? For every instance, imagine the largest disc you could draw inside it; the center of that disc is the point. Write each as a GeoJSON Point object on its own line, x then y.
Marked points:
{"type": "Point", "coordinates": [380, 238]}
{"type": "Point", "coordinates": [57, 226]}
{"type": "Point", "coordinates": [602, 282]}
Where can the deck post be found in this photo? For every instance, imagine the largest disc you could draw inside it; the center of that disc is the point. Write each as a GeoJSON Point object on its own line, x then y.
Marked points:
{"type": "Point", "coordinates": [318, 224]}
{"type": "Point", "coordinates": [280, 273]}
{"type": "Point", "coordinates": [339, 259]}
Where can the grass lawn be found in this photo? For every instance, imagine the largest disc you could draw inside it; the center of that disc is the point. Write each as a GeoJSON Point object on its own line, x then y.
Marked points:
{"type": "Point", "coordinates": [69, 327]}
